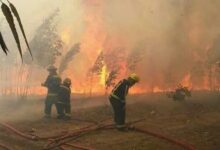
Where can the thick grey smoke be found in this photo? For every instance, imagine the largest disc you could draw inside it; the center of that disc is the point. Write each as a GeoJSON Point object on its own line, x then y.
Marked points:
{"type": "Point", "coordinates": [68, 57]}
{"type": "Point", "coordinates": [162, 41]}
{"type": "Point", "coordinates": [46, 44]}
{"type": "Point", "coordinates": [175, 36]}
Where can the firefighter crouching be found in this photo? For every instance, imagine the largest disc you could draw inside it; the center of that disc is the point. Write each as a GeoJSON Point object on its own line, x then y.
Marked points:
{"type": "Point", "coordinates": [118, 100]}
{"type": "Point", "coordinates": [63, 103]}
{"type": "Point", "coordinates": [52, 83]}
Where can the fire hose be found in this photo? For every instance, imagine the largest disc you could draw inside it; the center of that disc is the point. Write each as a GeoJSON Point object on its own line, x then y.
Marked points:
{"type": "Point", "coordinates": [35, 138]}
{"type": "Point", "coordinates": [71, 136]}
{"type": "Point", "coordinates": [9, 127]}
{"type": "Point", "coordinates": [160, 136]}
{"type": "Point", "coordinates": [78, 146]}
{"type": "Point", "coordinates": [62, 148]}
{"type": "Point", "coordinates": [26, 136]}
{"type": "Point", "coordinates": [4, 147]}
{"type": "Point", "coordinates": [63, 139]}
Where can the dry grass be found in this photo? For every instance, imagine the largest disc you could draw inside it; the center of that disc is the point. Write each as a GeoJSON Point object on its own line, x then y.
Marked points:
{"type": "Point", "coordinates": [196, 121]}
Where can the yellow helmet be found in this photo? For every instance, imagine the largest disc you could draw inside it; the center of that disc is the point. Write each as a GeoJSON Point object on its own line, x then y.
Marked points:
{"type": "Point", "coordinates": [134, 77]}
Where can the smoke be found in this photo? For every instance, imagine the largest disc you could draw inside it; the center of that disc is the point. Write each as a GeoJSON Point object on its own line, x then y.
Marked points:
{"type": "Point", "coordinates": [46, 45]}
{"type": "Point", "coordinates": [175, 38]}
{"type": "Point", "coordinates": [68, 57]}
{"type": "Point", "coordinates": [164, 42]}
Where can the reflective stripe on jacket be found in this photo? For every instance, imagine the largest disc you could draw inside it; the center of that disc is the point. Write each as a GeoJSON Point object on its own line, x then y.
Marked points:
{"type": "Point", "coordinates": [120, 91]}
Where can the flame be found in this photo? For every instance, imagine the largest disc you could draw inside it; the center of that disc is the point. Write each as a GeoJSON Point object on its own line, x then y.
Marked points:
{"type": "Point", "coordinates": [95, 39]}
{"type": "Point", "coordinates": [103, 75]}
{"type": "Point", "coordinates": [157, 89]}
{"type": "Point", "coordinates": [65, 36]}
{"type": "Point", "coordinates": [186, 81]}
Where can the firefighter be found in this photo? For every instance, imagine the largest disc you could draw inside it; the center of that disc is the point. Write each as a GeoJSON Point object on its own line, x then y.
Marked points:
{"type": "Point", "coordinates": [63, 104]}
{"type": "Point", "coordinates": [118, 99]}
{"type": "Point", "coordinates": [52, 83]}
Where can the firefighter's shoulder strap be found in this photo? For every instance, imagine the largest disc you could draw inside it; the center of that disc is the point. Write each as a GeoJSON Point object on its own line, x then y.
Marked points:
{"type": "Point", "coordinates": [115, 89]}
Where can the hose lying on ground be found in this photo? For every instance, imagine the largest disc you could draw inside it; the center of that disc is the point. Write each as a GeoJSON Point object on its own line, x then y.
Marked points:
{"type": "Point", "coordinates": [78, 146]}
{"type": "Point", "coordinates": [82, 131]}
{"type": "Point", "coordinates": [9, 127]}
{"type": "Point", "coordinates": [26, 136]}
{"type": "Point", "coordinates": [4, 147]}
{"type": "Point", "coordinates": [157, 135]}
{"type": "Point", "coordinates": [60, 140]}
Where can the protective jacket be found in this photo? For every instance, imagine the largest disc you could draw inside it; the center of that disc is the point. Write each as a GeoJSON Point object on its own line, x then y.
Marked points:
{"type": "Point", "coordinates": [53, 83]}
{"type": "Point", "coordinates": [64, 94]}
{"type": "Point", "coordinates": [120, 91]}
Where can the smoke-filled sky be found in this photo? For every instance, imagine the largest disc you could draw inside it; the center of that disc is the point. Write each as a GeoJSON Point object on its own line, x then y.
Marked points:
{"type": "Point", "coordinates": [175, 40]}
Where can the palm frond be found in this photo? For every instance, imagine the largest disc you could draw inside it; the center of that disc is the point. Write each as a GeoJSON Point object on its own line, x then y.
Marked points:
{"type": "Point", "coordinates": [7, 13]}
{"type": "Point", "coordinates": [16, 14]}
{"type": "Point", "coordinates": [3, 45]}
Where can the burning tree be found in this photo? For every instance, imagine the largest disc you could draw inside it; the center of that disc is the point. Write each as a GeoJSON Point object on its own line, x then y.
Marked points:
{"type": "Point", "coordinates": [116, 60]}
{"type": "Point", "coordinates": [213, 60]}
{"type": "Point", "coordinates": [135, 57]}
{"type": "Point", "coordinates": [108, 66]}
{"type": "Point", "coordinates": [110, 80]}
{"type": "Point", "coordinates": [99, 63]}
{"type": "Point", "coordinates": [46, 44]}
{"type": "Point", "coordinates": [95, 70]}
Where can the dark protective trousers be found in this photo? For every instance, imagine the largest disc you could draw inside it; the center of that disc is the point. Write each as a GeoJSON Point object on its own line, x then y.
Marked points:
{"type": "Point", "coordinates": [64, 109]}
{"type": "Point", "coordinates": [119, 111]}
{"type": "Point", "coordinates": [50, 100]}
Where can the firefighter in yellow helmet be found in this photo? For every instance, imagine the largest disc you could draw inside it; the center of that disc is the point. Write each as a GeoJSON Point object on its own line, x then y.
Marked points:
{"type": "Point", "coordinates": [52, 83]}
{"type": "Point", "coordinates": [118, 99]}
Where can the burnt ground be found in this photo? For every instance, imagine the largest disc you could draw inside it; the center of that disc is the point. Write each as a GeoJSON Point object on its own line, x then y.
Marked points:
{"type": "Point", "coordinates": [196, 121]}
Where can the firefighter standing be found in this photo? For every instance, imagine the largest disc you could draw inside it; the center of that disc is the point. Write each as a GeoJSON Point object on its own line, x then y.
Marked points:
{"type": "Point", "coordinates": [63, 104]}
{"type": "Point", "coordinates": [52, 83]}
{"type": "Point", "coordinates": [118, 99]}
